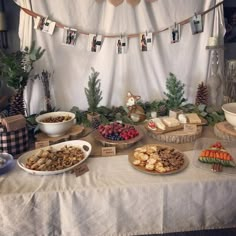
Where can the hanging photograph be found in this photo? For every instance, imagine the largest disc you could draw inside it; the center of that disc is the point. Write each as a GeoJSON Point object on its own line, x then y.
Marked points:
{"type": "Point", "coordinates": [69, 36]}
{"type": "Point", "coordinates": [94, 43]}
{"type": "Point", "coordinates": [48, 26]}
{"type": "Point", "coordinates": [45, 25]}
{"type": "Point", "coordinates": [121, 45]}
{"type": "Point", "coordinates": [39, 22]}
{"type": "Point", "coordinates": [145, 40]}
{"type": "Point", "coordinates": [175, 33]}
{"type": "Point", "coordinates": [230, 24]}
{"type": "Point", "coordinates": [196, 24]}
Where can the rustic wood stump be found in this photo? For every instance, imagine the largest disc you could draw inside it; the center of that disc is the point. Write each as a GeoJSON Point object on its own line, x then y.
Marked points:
{"type": "Point", "coordinates": [178, 136]}
{"type": "Point", "coordinates": [225, 131]}
{"type": "Point", "coordinates": [73, 133]}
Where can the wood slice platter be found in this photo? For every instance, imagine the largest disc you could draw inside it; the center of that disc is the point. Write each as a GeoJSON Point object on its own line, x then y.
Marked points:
{"type": "Point", "coordinates": [178, 136]}
{"type": "Point", "coordinates": [73, 133]}
{"type": "Point", "coordinates": [225, 131]}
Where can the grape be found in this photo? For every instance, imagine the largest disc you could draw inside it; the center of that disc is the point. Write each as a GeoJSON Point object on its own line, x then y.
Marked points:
{"type": "Point", "coordinates": [117, 131]}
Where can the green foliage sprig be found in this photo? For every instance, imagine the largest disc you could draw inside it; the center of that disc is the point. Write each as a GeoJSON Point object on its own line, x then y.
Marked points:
{"type": "Point", "coordinates": [175, 92]}
{"type": "Point", "coordinates": [16, 66]}
{"type": "Point", "coordinates": [209, 113]}
{"type": "Point", "coordinates": [93, 92]}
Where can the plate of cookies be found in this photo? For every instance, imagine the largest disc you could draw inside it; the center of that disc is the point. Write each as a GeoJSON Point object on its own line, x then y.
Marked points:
{"type": "Point", "coordinates": [158, 159]}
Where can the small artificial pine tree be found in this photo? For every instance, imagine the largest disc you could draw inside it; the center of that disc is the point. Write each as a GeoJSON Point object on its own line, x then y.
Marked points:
{"type": "Point", "coordinates": [175, 92]}
{"type": "Point", "coordinates": [93, 92]}
{"type": "Point", "coordinates": [202, 94]}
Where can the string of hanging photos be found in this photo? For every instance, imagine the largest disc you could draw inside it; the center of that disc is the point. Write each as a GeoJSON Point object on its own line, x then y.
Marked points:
{"type": "Point", "coordinates": [70, 35]}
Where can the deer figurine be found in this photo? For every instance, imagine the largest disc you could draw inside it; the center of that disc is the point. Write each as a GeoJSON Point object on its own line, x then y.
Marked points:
{"type": "Point", "coordinates": [135, 112]}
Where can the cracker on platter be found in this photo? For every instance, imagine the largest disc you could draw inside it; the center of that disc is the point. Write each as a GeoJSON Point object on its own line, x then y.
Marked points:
{"type": "Point", "coordinates": [158, 158]}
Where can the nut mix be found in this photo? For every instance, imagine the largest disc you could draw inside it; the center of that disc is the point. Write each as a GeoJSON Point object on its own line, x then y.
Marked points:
{"type": "Point", "coordinates": [56, 119]}
{"type": "Point", "coordinates": [51, 159]}
{"type": "Point", "coordinates": [156, 158]}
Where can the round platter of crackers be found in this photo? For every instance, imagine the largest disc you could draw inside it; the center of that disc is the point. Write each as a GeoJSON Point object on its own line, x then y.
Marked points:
{"type": "Point", "coordinates": [158, 159]}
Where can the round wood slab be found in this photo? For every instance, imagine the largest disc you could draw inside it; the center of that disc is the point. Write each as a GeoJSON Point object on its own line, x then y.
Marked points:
{"type": "Point", "coordinates": [73, 133]}
{"type": "Point", "coordinates": [178, 136]}
{"type": "Point", "coordinates": [225, 131]}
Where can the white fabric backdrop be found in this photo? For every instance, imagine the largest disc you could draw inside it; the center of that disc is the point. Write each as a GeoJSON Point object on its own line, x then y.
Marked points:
{"type": "Point", "coordinates": [143, 73]}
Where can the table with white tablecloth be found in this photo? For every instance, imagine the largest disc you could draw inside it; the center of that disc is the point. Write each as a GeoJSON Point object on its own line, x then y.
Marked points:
{"type": "Point", "coordinates": [113, 198]}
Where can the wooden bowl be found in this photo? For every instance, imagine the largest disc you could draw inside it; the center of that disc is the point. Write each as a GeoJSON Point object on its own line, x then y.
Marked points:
{"type": "Point", "coordinates": [121, 144]}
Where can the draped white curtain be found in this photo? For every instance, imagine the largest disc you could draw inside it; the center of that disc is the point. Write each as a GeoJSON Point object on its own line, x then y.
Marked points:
{"type": "Point", "coordinates": [142, 73]}
{"type": "Point", "coordinates": [25, 35]}
{"type": "Point", "coordinates": [25, 25]}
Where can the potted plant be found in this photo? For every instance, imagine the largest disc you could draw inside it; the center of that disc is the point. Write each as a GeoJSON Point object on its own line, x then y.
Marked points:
{"type": "Point", "coordinates": [94, 95]}
{"type": "Point", "coordinates": [174, 94]}
{"type": "Point", "coordinates": [15, 68]}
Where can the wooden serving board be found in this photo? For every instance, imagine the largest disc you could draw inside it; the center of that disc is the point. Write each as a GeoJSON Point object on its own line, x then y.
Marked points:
{"type": "Point", "coordinates": [73, 133]}
{"type": "Point", "coordinates": [179, 127]}
{"type": "Point", "coordinates": [225, 131]}
{"type": "Point", "coordinates": [177, 136]}
{"type": "Point", "coordinates": [161, 131]}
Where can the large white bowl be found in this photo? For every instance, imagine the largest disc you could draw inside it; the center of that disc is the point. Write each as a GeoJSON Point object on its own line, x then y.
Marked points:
{"type": "Point", "coordinates": [58, 128]}
{"type": "Point", "coordinates": [230, 113]}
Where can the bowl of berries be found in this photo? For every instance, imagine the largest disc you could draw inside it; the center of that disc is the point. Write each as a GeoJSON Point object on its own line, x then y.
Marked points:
{"type": "Point", "coordinates": [118, 134]}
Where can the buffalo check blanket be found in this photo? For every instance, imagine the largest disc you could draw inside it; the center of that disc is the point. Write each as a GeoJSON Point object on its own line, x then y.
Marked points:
{"type": "Point", "coordinates": [14, 142]}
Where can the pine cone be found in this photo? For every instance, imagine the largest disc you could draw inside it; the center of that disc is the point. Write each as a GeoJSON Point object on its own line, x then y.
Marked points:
{"type": "Point", "coordinates": [162, 110]}
{"type": "Point", "coordinates": [95, 123]}
{"type": "Point", "coordinates": [202, 94]}
{"type": "Point", "coordinates": [17, 104]}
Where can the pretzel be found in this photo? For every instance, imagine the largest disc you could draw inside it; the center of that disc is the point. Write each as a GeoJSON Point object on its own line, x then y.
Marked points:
{"type": "Point", "coordinates": [52, 159]}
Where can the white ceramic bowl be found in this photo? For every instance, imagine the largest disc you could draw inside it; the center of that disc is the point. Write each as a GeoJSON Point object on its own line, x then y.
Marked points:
{"type": "Point", "coordinates": [230, 113]}
{"type": "Point", "coordinates": [55, 129]}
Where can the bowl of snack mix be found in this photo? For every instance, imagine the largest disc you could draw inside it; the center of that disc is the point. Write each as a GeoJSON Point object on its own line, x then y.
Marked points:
{"type": "Point", "coordinates": [55, 124]}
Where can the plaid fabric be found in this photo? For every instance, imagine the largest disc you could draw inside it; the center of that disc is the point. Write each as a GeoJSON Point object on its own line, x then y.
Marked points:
{"type": "Point", "coordinates": [14, 142]}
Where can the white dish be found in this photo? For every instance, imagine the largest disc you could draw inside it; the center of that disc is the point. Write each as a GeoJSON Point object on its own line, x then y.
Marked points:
{"type": "Point", "coordinates": [85, 146]}
{"type": "Point", "coordinates": [230, 113]}
{"type": "Point", "coordinates": [55, 129]}
{"type": "Point", "coordinates": [204, 143]}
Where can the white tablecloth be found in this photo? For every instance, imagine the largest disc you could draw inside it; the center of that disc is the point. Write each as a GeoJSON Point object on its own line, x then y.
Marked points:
{"type": "Point", "coordinates": [115, 199]}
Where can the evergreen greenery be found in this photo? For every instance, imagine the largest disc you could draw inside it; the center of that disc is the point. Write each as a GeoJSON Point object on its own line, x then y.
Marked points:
{"type": "Point", "coordinates": [209, 113]}
{"type": "Point", "coordinates": [175, 92]}
{"type": "Point", "coordinates": [93, 92]}
{"type": "Point", "coordinates": [16, 66]}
